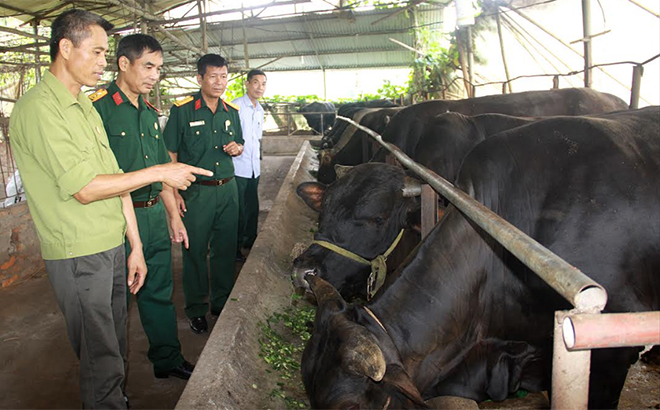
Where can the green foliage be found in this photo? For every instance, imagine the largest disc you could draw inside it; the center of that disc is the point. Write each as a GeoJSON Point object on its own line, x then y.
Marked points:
{"type": "Point", "coordinates": [298, 99]}
{"type": "Point", "coordinates": [282, 341]}
{"type": "Point", "coordinates": [235, 89]}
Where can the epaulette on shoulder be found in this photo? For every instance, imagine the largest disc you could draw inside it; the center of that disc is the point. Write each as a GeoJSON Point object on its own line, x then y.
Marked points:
{"type": "Point", "coordinates": [98, 95]}
{"type": "Point", "coordinates": [184, 101]}
{"type": "Point", "coordinates": [232, 105]}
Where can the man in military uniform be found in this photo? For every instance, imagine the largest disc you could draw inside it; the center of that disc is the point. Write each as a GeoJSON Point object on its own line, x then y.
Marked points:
{"type": "Point", "coordinates": [135, 137]}
{"type": "Point", "coordinates": [205, 131]}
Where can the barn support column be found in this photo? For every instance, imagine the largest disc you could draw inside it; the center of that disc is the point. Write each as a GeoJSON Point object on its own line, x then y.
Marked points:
{"type": "Point", "coordinates": [201, 7]}
{"type": "Point", "coordinates": [325, 87]}
{"type": "Point", "coordinates": [506, 67]}
{"type": "Point", "coordinates": [246, 55]}
{"type": "Point", "coordinates": [570, 371]}
{"type": "Point", "coordinates": [586, 28]}
{"type": "Point", "coordinates": [638, 72]}
{"type": "Point", "coordinates": [37, 67]}
{"type": "Point", "coordinates": [470, 53]}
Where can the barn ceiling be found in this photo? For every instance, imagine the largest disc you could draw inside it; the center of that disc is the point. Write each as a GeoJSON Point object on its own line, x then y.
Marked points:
{"type": "Point", "coordinates": [336, 38]}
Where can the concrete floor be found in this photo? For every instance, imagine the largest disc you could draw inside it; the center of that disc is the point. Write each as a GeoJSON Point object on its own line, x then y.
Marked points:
{"type": "Point", "coordinates": [38, 369]}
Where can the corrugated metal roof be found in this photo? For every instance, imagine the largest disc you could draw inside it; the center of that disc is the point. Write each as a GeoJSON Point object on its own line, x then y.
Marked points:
{"type": "Point", "coordinates": [332, 40]}
{"type": "Point", "coordinates": [338, 39]}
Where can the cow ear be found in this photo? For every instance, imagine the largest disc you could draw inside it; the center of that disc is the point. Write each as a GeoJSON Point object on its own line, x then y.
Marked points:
{"type": "Point", "coordinates": [398, 377]}
{"type": "Point", "coordinates": [312, 193]}
{"type": "Point", "coordinates": [505, 367]}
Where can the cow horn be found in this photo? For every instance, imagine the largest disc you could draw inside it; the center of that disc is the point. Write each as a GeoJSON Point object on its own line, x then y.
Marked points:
{"type": "Point", "coordinates": [342, 170]}
{"type": "Point", "coordinates": [412, 187]}
{"type": "Point", "coordinates": [324, 293]}
{"type": "Point", "coordinates": [361, 354]}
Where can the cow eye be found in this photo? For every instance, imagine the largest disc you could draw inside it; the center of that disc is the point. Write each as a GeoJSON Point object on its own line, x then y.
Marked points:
{"type": "Point", "coordinates": [378, 220]}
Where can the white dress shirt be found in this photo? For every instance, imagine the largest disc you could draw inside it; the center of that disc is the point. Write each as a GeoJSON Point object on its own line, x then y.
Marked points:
{"type": "Point", "coordinates": [247, 165]}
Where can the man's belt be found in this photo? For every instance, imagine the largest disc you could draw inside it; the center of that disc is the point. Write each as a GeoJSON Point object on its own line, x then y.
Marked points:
{"type": "Point", "coordinates": [214, 182]}
{"type": "Point", "coordinates": [146, 204]}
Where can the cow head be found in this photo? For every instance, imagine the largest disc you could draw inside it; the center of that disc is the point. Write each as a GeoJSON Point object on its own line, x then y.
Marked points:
{"type": "Point", "coordinates": [344, 365]}
{"type": "Point", "coordinates": [363, 213]}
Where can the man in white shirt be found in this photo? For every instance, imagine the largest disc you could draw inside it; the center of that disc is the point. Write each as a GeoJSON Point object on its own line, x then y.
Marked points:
{"type": "Point", "coordinates": [247, 167]}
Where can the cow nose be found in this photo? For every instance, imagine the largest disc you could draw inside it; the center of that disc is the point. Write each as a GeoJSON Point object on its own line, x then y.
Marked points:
{"type": "Point", "coordinates": [298, 277]}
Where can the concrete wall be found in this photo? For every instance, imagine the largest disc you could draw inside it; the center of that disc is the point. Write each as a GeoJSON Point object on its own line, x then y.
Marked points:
{"type": "Point", "coordinates": [229, 373]}
{"type": "Point", "coordinates": [284, 145]}
{"type": "Point", "coordinates": [20, 255]}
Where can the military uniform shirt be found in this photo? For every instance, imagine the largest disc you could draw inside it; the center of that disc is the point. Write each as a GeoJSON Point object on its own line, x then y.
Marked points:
{"type": "Point", "coordinates": [197, 135]}
{"type": "Point", "coordinates": [134, 134]}
{"type": "Point", "coordinates": [60, 146]}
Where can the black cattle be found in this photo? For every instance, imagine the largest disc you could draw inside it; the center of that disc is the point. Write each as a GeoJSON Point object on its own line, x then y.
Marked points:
{"type": "Point", "coordinates": [407, 126]}
{"type": "Point", "coordinates": [319, 115]}
{"type": "Point", "coordinates": [348, 150]}
{"type": "Point", "coordinates": [349, 110]}
{"type": "Point", "coordinates": [444, 144]}
{"type": "Point", "coordinates": [466, 318]}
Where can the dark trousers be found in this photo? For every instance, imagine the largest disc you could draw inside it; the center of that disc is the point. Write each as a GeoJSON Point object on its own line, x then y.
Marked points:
{"type": "Point", "coordinates": [91, 292]}
{"type": "Point", "coordinates": [154, 300]}
{"type": "Point", "coordinates": [248, 211]}
{"type": "Point", "coordinates": [212, 223]}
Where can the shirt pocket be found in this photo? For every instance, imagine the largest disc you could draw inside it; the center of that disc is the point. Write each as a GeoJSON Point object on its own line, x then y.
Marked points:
{"type": "Point", "coordinates": [194, 142]}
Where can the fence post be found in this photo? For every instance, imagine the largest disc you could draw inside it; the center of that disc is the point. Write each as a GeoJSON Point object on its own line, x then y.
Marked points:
{"type": "Point", "coordinates": [638, 72]}
{"type": "Point", "coordinates": [429, 209]}
{"type": "Point", "coordinates": [570, 371]}
{"type": "Point", "coordinates": [555, 82]}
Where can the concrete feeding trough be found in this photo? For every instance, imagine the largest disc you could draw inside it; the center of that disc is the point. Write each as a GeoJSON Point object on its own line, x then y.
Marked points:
{"type": "Point", "coordinates": [229, 372]}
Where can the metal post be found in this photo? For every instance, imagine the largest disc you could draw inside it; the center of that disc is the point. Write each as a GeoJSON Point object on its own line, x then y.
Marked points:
{"type": "Point", "coordinates": [506, 67]}
{"type": "Point", "coordinates": [638, 72]}
{"type": "Point", "coordinates": [37, 68]}
{"type": "Point", "coordinates": [202, 23]}
{"type": "Point", "coordinates": [586, 28]}
{"type": "Point", "coordinates": [429, 209]}
{"type": "Point", "coordinates": [555, 82]}
{"type": "Point", "coordinates": [570, 372]}
{"type": "Point", "coordinates": [470, 53]}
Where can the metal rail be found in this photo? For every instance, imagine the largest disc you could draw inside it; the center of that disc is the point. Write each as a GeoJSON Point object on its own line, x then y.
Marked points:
{"type": "Point", "coordinates": [582, 292]}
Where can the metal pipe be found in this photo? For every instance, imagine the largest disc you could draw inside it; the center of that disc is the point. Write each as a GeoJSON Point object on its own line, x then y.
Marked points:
{"type": "Point", "coordinates": [429, 210]}
{"type": "Point", "coordinates": [586, 29]}
{"type": "Point", "coordinates": [596, 331]}
{"type": "Point", "coordinates": [576, 287]}
{"type": "Point", "coordinates": [638, 72]}
{"type": "Point", "coordinates": [570, 372]}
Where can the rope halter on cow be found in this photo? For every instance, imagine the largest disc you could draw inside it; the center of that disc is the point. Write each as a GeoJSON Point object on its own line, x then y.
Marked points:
{"type": "Point", "coordinates": [378, 264]}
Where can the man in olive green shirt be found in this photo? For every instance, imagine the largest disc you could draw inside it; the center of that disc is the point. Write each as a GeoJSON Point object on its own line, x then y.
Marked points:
{"type": "Point", "coordinates": [205, 131]}
{"type": "Point", "coordinates": [135, 137]}
{"type": "Point", "coordinates": [80, 203]}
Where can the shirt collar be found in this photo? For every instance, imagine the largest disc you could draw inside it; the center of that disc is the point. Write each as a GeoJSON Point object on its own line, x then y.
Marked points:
{"type": "Point", "coordinates": [62, 94]}
{"type": "Point", "coordinates": [118, 95]}
{"type": "Point", "coordinates": [202, 103]}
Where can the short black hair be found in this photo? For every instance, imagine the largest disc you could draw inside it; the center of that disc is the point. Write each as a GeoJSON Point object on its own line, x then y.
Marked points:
{"type": "Point", "coordinates": [213, 60]}
{"type": "Point", "coordinates": [254, 72]}
{"type": "Point", "coordinates": [74, 25]}
{"type": "Point", "coordinates": [134, 45]}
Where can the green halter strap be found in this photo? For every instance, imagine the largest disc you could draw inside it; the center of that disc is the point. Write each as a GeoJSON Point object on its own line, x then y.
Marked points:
{"type": "Point", "coordinates": [378, 264]}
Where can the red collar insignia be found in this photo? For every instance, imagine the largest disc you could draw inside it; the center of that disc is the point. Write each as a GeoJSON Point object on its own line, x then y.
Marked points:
{"type": "Point", "coordinates": [198, 104]}
{"type": "Point", "coordinates": [224, 105]}
{"type": "Point", "coordinates": [117, 97]}
{"type": "Point", "coordinates": [150, 105]}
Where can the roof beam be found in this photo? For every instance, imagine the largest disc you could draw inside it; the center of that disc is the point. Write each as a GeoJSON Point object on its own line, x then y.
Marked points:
{"type": "Point", "coordinates": [23, 47]}
{"type": "Point", "coordinates": [23, 33]}
{"type": "Point", "coordinates": [219, 12]}
{"type": "Point", "coordinates": [19, 10]}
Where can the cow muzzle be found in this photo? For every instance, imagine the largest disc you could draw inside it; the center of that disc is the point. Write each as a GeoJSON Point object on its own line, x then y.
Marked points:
{"type": "Point", "coordinates": [299, 275]}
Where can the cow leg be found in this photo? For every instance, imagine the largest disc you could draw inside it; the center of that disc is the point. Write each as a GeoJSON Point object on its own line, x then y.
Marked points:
{"type": "Point", "coordinates": [609, 369]}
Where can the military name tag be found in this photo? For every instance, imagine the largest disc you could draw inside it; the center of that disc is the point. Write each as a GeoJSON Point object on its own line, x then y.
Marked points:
{"type": "Point", "coordinates": [197, 123]}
